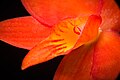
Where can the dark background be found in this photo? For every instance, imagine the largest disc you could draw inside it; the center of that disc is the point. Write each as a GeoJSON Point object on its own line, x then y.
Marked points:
{"type": "Point", "coordinates": [11, 57]}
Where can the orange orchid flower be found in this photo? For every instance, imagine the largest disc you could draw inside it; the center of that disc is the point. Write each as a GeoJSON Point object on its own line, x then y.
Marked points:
{"type": "Point", "coordinates": [86, 31]}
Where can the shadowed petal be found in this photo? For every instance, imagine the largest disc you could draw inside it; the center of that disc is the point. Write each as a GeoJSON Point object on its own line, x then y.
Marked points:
{"type": "Point", "coordinates": [106, 65]}
{"type": "Point", "coordinates": [76, 65]}
{"type": "Point", "coordinates": [23, 32]}
{"type": "Point", "coordinates": [51, 12]}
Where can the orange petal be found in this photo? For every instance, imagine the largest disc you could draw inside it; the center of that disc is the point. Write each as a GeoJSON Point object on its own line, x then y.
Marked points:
{"type": "Point", "coordinates": [51, 12]}
{"type": "Point", "coordinates": [23, 32]}
{"type": "Point", "coordinates": [110, 15]}
{"type": "Point", "coordinates": [58, 43]}
{"type": "Point", "coordinates": [61, 41]}
{"type": "Point", "coordinates": [76, 65]}
{"type": "Point", "coordinates": [90, 31]}
{"type": "Point", "coordinates": [106, 65]}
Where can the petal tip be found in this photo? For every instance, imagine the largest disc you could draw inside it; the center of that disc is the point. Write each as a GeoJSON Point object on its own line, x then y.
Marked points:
{"type": "Point", "coordinates": [26, 63]}
{"type": "Point", "coordinates": [24, 66]}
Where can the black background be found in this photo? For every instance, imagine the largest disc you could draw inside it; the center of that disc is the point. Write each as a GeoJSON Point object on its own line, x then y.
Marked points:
{"type": "Point", "coordinates": [11, 57]}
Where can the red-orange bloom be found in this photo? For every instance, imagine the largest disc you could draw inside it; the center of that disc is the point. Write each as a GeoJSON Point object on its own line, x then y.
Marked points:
{"type": "Point", "coordinates": [86, 31]}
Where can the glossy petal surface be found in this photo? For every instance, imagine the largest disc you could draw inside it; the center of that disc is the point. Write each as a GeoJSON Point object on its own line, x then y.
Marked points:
{"type": "Point", "coordinates": [106, 65]}
{"type": "Point", "coordinates": [23, 32]}
{"type": "Point", "coordinates": [51, 12]}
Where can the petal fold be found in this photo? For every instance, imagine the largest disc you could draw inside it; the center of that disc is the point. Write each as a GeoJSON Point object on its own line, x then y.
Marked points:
{"type": "Point", "coordinates": [23, 32]}
{"type": "Point", "coordinates": [51, 12]}
{"type": "Point", "coordinates": [90, 31]}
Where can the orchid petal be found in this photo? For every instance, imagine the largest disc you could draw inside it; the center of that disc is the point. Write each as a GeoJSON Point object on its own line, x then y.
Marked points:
{"type": "Point", "coordinates": [23, 32]}
{"type": "Point", "coordinates": [51, 12]}
{"type": "Point", "coordinates": [106, 61]}
{"type": "Point", "coordinates": [76, 65]}
{"type": "Point", "coordinates": [110, 15]}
